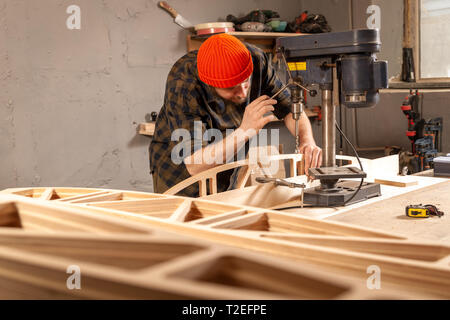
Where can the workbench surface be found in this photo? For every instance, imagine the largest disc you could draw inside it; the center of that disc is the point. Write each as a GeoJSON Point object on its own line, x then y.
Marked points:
{"type": "Point", "coordinates": [389, 214]}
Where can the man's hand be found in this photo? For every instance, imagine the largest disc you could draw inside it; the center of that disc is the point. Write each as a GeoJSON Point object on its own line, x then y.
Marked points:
{"type": "Point", "coordinates": [312, 155]}
{"type": "Point", "coordinates": [254, 114]}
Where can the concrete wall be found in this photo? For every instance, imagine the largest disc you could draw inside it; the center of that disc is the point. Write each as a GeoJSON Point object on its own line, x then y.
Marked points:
{"type": "Point", "coordinates": [386, 125]}
{"type": "Point", "coordinates": [71, 100]}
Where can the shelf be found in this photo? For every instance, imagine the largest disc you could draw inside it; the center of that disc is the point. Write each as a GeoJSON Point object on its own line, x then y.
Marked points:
{"type": "Point", "coordinates": [263, 40]}
{"type": "Point", "coordinates": [255, 35]}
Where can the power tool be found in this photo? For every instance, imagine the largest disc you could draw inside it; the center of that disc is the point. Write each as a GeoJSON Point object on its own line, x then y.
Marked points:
{"type": "Point", "coordinates": [411, 107]}
{"type": "Point", "coordinates": [423, 211]}
{"type": "Point", "coordinates": [425, 136]}
{"type": "Point", "coordinates": [344, 66]}
{"type": "Point", "coordinates": [425, 154]}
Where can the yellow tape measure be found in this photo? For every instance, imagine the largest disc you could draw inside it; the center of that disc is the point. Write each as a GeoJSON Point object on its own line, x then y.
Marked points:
{"type": "Point", "coordinates": [420, 211]}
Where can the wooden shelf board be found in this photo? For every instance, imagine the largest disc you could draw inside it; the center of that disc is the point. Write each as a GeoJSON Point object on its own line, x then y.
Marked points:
{"type": "Point", "coordinates": [147, 128]}
{"type": "Point", "coordinates": [255, 35]}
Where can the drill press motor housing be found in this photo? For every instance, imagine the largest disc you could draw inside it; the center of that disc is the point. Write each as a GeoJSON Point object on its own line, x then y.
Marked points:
{"type": "Point", "coordinates": [344, 66]}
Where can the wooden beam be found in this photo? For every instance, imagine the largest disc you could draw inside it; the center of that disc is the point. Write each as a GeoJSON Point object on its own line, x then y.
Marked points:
{"type": "Point", "coordinates": [181, 212]}
{"type": "Point", "coordinates": [47, 194]}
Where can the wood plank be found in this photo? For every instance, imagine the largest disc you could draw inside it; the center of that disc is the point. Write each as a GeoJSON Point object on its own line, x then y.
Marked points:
{"type": "Point", "coordinates": [219, 217]}
{"type": "Point", "coordinates": [47, 194]}
{"type": "Point", "coordinates": [144, 206]}
{"type": "Point", "coordinates": [56, 214]}
{"type": "Point", "coordinates": [81, 196]}
{"type": "Point", "coordinates": [181, 212]}
{"type": "Point", "coordinates": [202, 186]}
{"type": "Point", "coordinates": [110, 196]}
{"type": "Point", "coordinates": [445, 261]}
{"type": "Point", "coordinates": [9, 215]}
{"type": "Point", "coordinates": [61, 193]}
{"type": "Point", "coordinates": [54, 224]}
{"type": "Point", "coordinates": [253, 221]}
{"type": "Point", "coordinates": [397, 181]}
{"type": "Point", "coordinates": [147, 128]}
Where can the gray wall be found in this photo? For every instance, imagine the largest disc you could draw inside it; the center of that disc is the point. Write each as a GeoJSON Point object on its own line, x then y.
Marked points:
{"type": "Point", "coordinates": [71, 100]}
{"type": "Point", "coordinates": [386, 125]}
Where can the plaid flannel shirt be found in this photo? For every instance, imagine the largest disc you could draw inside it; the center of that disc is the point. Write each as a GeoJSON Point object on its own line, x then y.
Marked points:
{"type": "Point", "coordinates": [188, 99]}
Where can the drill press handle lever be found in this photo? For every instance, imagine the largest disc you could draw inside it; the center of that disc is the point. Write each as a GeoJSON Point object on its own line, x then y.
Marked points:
{"type": "Point", "coordinates": [312, 93]}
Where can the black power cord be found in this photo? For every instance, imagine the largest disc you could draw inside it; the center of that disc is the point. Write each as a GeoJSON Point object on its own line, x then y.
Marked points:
{"type": "Point", "coordinates": [357, 157]}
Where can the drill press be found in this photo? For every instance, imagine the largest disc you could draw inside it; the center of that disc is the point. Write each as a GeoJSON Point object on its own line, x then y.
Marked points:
{"type": "Point", "coordinates": [345, 67]}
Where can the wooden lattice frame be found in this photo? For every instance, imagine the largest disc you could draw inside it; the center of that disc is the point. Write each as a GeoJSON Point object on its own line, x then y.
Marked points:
{"type": "Point", "coordinates": [417, 266]}
{"type": "Point", "coordinates": [120, 259]}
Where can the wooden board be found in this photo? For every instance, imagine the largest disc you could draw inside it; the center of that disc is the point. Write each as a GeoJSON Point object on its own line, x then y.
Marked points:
{"type": "Point", "coordinates": [147, 128]}
{"type": "Point", "coordinates": [397, 181]}
{"type": "Point", "coordinates": [410, 264]}
{"type": "Point", "coordinates": [263, 40]}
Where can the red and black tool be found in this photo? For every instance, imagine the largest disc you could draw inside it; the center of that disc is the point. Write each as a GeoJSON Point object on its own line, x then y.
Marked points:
{"type": "Point", "coordinates": [410, 107]}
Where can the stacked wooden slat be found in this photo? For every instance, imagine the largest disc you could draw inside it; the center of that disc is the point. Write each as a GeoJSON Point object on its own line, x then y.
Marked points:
{"type": "Point", "coordinates": [142, 245]}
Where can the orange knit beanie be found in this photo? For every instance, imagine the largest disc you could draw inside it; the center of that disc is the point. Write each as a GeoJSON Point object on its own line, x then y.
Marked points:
{"type": "Point", "coordinates": [223, 61]}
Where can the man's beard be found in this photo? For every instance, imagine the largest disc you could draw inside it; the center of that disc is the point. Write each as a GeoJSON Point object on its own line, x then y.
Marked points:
{"type": "Point", "coordinates": [236, 101]}
{"type": "Point", "coordinates": [242, 102]}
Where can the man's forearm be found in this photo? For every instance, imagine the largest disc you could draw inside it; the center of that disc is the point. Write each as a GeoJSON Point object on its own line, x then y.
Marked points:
{"type": "Point", "coordinates": [216, 153]}
{"type": "Point", "coordinates": [312, 153]}
{"type": "Point", "coordinates": [304, 130]}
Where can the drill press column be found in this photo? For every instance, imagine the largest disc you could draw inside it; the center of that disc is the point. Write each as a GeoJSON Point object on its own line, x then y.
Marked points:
{"type": "Point", "coordinates": [328, 132]}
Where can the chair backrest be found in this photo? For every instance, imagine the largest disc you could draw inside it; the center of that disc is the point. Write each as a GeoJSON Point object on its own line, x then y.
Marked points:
{"type": "Point", "coordinates": [249, 166]}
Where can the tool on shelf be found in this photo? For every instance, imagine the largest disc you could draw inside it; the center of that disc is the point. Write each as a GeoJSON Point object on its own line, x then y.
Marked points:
{"type": "Point", "coordinates": [179, 20]}
{"type": "Point", "coordinates": [411, 107]}
{"type": "Point", "coordinates": [425, 135]}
